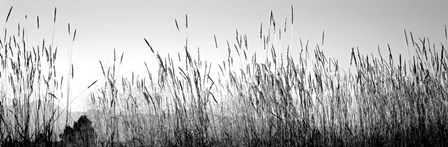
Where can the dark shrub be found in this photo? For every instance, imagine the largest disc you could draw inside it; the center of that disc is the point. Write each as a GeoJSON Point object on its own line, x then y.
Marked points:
{"type": "Point", "coordinates": [82, 133]}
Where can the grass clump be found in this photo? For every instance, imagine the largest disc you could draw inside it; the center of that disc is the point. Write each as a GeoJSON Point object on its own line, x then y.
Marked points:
{"type": "Point", "coordinates": [274, 99]}
{"type": "Point", "coordinates": [280, 100]}
{"type": "Point", "coordinates": [30, 89]}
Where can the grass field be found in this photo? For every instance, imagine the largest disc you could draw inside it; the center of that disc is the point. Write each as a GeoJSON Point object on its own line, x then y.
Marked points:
{"type": "Point", "coordinates": [247, 100]}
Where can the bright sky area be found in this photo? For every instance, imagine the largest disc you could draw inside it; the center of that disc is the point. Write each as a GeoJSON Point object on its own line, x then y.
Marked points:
{"type": "Point", "coordinates": [105, 25]}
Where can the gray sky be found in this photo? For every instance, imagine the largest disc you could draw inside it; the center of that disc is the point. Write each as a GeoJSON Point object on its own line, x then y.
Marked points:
{"type": "Point", "coordinates": [107, 24]}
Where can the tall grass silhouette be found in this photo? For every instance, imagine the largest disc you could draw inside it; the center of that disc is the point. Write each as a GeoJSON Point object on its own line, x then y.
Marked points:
{"type": "Point", "coordinates": [278, 99]}
{"type": "Point", "coordinates": [30, 89]}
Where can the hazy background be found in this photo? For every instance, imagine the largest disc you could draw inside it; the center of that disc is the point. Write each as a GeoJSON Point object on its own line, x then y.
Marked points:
{"type": "Point", "coordinates": [103, 25]}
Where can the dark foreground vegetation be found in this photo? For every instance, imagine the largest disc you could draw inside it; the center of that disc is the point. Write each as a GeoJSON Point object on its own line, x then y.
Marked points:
{"type": "Point", "coordinates": [275, 99]}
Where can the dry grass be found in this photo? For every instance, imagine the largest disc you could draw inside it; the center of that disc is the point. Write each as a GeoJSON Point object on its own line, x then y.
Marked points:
{"type": "Point", "coordinates": [280, 101]}
{"type": "Point", "coordinates": [29, 90]}
{"type": "Point", "coordinates": [277, 100]}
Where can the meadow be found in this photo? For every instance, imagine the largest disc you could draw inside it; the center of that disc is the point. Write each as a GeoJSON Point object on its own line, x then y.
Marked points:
{"type": "Point", "coordinates": [279, 99]}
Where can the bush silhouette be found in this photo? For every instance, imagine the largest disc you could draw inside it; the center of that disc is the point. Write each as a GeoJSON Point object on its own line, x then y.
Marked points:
{"type": "Point", "coordinates": [82, 133]}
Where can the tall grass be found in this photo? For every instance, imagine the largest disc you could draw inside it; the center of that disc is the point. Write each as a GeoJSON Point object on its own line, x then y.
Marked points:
{"type": "Point", "coordinates": [30, 89]}
{"type": "Point", "coordinates": [280, 100]}
{"type": "Point", "coordinates": [273, 99]}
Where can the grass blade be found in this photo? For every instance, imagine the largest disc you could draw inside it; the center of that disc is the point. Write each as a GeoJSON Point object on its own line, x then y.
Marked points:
{"type": "Point", "coordinates": [9, 14]}
{"type": "Point", "coordinates": [149, 45]}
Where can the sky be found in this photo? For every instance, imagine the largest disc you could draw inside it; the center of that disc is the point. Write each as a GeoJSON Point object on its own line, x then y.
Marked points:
{"type": "Point", "coordinates": [105, 25]}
